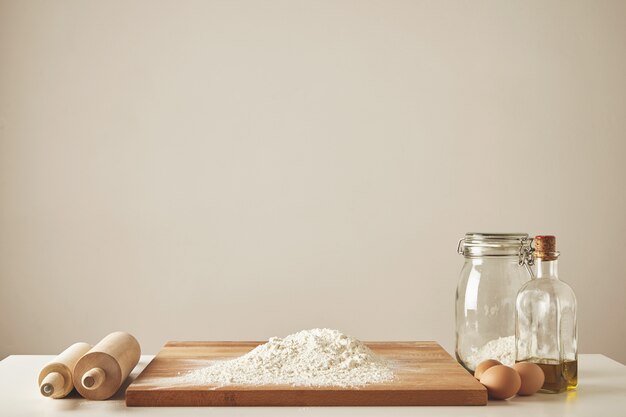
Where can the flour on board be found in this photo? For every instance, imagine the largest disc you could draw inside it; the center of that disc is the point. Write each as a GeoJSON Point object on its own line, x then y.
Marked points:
{"type": "Point", "coordinates": [317, 357]}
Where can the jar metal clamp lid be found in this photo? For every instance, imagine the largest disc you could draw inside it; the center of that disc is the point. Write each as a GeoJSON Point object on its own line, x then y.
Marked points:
{"type": "Point", "coordinates": [478, 245]}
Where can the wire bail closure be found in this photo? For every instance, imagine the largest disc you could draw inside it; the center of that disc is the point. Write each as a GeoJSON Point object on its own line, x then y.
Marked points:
{"type": "Point", "coordinates": [526, 257]}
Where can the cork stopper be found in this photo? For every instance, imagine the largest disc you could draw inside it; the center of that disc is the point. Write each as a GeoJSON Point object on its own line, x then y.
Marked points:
{"type": "Point", "coordinates": [545, 248]}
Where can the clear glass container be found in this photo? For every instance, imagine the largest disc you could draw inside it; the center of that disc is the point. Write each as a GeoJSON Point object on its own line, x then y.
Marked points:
{"type": "Point", "coordinates": [546, 331]}
{"type": "Point", "coordinates": [495, 269]}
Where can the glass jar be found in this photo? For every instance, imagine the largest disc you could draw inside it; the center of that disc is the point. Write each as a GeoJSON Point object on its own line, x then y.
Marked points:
{"type": "Point", "coordinates": [495, 268]}
{"type": "Point", "coordinates": [546, 321]}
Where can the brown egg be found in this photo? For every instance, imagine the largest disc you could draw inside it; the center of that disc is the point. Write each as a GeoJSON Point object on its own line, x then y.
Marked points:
{"type": "Point", "coordinates": [532, 377]}
{"type": "Point", "coordinates": [501, 381]}
{"type": "Point", "coordinates": [483, 366]}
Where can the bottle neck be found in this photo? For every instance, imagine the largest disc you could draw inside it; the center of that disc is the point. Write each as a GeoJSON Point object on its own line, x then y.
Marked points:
{"type": "Point", "coordinates": [547, 269]}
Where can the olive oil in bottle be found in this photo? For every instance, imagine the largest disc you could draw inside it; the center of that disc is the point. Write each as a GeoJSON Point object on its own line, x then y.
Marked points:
{"type": "Point", "coordinates": [560, 376]}
{"type": "Point", "coordinates": [545, 328]}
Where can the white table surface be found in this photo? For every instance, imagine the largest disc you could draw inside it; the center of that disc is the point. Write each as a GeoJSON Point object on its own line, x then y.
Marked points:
{"type": "Point", "coordinates": [601, 392]}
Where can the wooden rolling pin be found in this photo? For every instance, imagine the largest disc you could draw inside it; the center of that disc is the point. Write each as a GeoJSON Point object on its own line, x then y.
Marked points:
{"type": "Point", "coordinates": [55, 379]}
{"type": "Point", "coordinates": [101, 371]}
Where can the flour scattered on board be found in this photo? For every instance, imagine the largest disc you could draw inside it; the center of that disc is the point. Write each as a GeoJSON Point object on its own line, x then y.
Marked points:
{"type": "Point", "coordinates": [501, 349]}
{"type": "Point", "coordinates": [317, 357]}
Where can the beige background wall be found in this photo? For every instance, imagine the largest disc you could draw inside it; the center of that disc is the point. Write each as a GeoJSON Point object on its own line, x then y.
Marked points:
{"type": "Point", "coordinates": [243, 169]}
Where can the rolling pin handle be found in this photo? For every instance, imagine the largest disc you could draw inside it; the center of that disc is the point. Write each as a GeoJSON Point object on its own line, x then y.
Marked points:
{"type": "Point", "coordinates": [93, 378]}
{"type": "Point", "coordinates": [54, 381]}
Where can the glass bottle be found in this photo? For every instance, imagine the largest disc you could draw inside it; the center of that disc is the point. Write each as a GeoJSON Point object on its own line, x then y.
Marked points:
{"type": "Point", "coordinates": [546, 331]}
{"type": "Point", "coordinates": [493, 272]}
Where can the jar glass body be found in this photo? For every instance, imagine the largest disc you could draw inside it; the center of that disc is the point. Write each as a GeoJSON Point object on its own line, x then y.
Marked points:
{"type": "Point", "coordinates": [485, 309]}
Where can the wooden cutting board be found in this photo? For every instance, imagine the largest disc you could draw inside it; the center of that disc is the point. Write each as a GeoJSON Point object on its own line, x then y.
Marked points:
{"type": "Point", "coordinates": [425, 375]}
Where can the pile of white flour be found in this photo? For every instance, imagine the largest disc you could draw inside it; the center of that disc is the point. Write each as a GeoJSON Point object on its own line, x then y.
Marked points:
{"type": "Point", "coordinates": [501, 349]}
{"type": "Point", "coordinates": [317, 357]}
